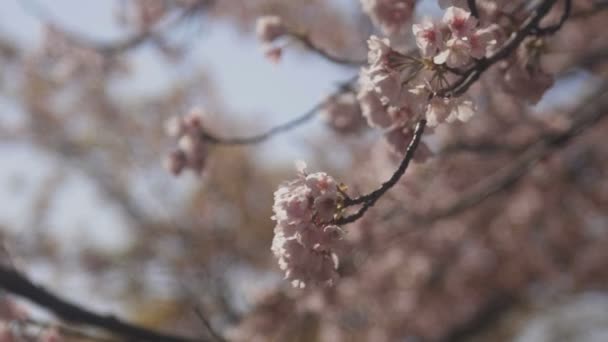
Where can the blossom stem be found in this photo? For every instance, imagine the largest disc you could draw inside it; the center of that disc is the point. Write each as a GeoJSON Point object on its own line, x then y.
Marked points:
{"type": "Point", "coordinates": [370, 199]}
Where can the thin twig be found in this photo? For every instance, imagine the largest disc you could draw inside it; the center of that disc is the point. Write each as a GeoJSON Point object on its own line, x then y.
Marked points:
{"type": "Point", "coordinates": [344, 87]}
{"type": "Point", "coordinates": [370, 199]}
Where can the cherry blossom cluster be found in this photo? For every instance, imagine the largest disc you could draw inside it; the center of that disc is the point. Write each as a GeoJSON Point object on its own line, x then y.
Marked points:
{"type": "Point", "coordinates": [192, 150]}
{"type": "Point", "coordinates": [455, 40]}
{"type": "Point", "coordinates": [305, 241]}
{"type": "Point", "coordinates": [398, 89]}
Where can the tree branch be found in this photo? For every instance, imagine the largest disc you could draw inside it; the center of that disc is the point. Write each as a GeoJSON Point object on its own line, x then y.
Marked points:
{"type": "Point", "coordinates": [473, 73]}
{"type": "Point", "coordinates": [211, 138]}
{"type": "Point", "coordinates": [554, 28]}
{"type": "Point", "coordinates": [17, 284]}
{"type": "Point", "coordinates": [473, 8]}
{"type": "Point", "coordinates": [370, 199]}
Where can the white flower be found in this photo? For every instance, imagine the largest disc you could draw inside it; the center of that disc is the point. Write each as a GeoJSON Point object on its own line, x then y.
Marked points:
{"type": "Point", "coordinates": [438, 110]}
{"type": "Point", "coordinates": [457, 53]}
{"type": "Point", "coordinates": [428, 37]}
{"type": "Point", "coordinates": [462, 109]}
{"type": "Point", "coordinates": [460, 22]}
{"type": "Point", "coordinates": [390, 71]}
{"type": "Point", "coordinates": [481, 41]}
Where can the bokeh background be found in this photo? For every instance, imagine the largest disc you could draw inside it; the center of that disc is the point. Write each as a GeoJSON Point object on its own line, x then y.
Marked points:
{"type": "Point", "coordinates": [87, 209]}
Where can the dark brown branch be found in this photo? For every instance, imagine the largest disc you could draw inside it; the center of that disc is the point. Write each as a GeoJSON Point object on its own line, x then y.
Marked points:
{"type": "Point", "coordinates": [542, 31]}
{"type": "Point", "coordinates": [473, 8]}
{"type": "Point", "coordinates": [17, 284]}
{"type": "Point", "coordinates": [591, 110]}
{"type": "Point", "coordinates": [370, 199]}
{"type": "Point", "coordinates": [344, 87]}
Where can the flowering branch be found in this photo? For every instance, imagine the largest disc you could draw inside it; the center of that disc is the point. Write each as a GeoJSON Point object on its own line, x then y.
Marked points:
{"type": "Point", "coordinates": [17, 284]}
{"type": "Point", "coordinates": [370, 199]}
{"type": "Point", "coordinates": [528, 28]}
{"type": "Point", "coordinates": [211, 138]}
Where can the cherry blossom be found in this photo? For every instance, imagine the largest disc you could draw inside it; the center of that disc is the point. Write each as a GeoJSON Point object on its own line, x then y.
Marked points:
{"type": "Point", "coordinates": [192, 149]}
{"type": "Point", "coordinates": [429, 37]}
{"type": "Point", "coordinates": [390, 71]}
{"type": "Point", "coordinates": [460, 22]}
{"type": "Point", "coordinates": [456, 54]}
{"type": "Point", "coordinates": [304, 238]}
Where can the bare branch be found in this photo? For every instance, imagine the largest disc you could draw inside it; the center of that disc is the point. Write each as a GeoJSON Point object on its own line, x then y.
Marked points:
{"type": "Point", "coordinates": [344, 87]}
